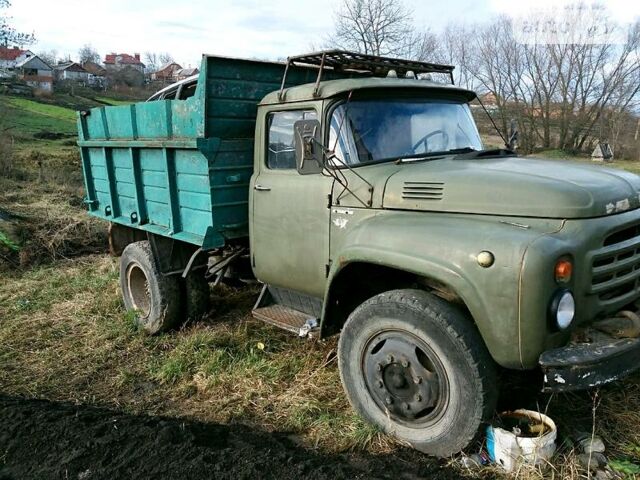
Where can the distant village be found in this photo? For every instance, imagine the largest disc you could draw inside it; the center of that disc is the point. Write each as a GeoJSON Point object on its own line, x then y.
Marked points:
{"type": "Point", "coordinates": [20, 68]}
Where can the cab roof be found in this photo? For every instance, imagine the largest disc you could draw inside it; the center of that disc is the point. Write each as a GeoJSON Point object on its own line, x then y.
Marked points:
{"type": "Point", "coordinates": [332, 88]}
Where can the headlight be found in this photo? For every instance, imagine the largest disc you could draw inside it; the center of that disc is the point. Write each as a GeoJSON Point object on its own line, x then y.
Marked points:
{"type": "Point", "coordinates": [563, 309]}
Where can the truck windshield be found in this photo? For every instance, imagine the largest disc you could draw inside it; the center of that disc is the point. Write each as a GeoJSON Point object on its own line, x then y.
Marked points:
{"type": "Point", "coordinates": [365, 131]}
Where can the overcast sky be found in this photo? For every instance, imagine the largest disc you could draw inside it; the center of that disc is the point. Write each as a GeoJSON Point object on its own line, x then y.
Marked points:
{"type": "Point", "coordinates": [267, 29]}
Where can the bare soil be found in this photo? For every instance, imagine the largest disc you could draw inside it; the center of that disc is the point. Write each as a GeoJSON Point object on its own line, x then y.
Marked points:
{"type": "Point", "coordinates": [40, 439]}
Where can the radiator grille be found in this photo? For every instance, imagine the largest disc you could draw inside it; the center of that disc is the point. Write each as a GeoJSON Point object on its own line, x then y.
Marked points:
{"type": "Point", "coordinates": [616, 266]}
{"type": "Point", "coordinates": [423, 190]}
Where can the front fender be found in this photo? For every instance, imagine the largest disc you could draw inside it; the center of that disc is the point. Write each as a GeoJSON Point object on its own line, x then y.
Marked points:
{"type": "Point", "coordinates": [444, 248]}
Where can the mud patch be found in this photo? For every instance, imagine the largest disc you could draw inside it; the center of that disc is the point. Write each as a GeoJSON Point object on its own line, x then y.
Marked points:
{"type": "Point", "coordinates": [42, 439]}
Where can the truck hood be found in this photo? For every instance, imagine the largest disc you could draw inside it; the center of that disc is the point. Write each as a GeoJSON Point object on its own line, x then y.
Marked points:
{"type": "Point", "coordinates": [512, 186]}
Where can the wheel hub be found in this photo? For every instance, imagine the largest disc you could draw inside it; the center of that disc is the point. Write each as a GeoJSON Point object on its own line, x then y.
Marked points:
{"type": "Point", "coordinates": [139, 289]}
{"type": "Point", "coordinates": [402, 376]}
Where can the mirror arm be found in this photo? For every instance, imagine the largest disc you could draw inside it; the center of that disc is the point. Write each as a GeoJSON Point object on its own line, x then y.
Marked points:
{"type": "Point", "coordinates": [329, 154]}
{"type": "Point", "coordinates": [332, 154]}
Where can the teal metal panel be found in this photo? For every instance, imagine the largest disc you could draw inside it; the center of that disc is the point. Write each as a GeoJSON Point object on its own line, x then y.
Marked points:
{"type": "Point", "coordinates": [181, 168]}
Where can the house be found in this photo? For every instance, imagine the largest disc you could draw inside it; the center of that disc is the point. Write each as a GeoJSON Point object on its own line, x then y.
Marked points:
{"type": "Point", "coordinates": [186, 73]}
{"type": "Point", "coordinates": [97, 74]}
{"type": "Point", "coordinates": [167, 73]}
{"type": "Point", "coordinates": [28, 67]}
{"type": "Point", "coordinates": [71, 71]}
{"type": "Point", "coordinates": [11, 56]}
{"type": "Point", "coordinates": [35, 73]}
{"type": "Point", "coordinates": [114, 62]}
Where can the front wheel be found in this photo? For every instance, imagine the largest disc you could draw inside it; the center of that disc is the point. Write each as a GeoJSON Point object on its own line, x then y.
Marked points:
{"type": "Point", "coordinates": [416, 367]}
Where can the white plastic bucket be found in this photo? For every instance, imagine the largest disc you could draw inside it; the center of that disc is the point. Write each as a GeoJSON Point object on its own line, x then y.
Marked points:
{"type": "Point", "coordinates": [509, 450]}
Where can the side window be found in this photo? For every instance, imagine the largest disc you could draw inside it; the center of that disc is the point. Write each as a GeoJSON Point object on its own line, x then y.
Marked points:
{"type": "Point", "coordinates": [281, 148]}
{"type": "Point", "coordinates": [188, 90]}
{"type": "Point", "coordinates": [170, 95]}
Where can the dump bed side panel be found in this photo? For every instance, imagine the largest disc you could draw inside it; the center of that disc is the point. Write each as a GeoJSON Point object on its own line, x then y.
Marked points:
{"type": "Point", "coordinates": [181, 168]}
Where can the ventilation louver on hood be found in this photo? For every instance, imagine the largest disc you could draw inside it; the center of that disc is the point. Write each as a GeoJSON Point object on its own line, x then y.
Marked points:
{"type": "Point", "coordinates": [423, 190]}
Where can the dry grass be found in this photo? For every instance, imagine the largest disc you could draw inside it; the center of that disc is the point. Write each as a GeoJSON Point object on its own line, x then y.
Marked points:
{"type": "Point", "coordinates": [42, 221]}
{"type": "Point", "coordinates": [65, 336]}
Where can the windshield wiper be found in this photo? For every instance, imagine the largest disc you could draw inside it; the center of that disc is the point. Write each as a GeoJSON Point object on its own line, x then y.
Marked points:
{"type": "Point", "coordinates": [435, 155]}
{"type": "Point", "coordinates": [488, 153]}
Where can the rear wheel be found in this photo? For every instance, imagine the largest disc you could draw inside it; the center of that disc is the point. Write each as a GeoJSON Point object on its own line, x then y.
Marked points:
{"type": "Point", "coordinates": [416, 367]}
{"type": "Point", "coordinates": [155, 298]}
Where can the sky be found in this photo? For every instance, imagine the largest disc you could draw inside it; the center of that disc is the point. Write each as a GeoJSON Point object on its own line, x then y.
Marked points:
{"type": "Point", "coordinates": [265, 29]}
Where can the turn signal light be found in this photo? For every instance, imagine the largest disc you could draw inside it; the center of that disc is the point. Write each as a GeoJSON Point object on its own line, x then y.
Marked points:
{"type": "Point", "coordinates": [563, 271]}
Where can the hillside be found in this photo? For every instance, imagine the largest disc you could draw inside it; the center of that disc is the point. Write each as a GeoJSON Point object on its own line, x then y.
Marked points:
{"type": "Point", "coordinates": [45, 122]}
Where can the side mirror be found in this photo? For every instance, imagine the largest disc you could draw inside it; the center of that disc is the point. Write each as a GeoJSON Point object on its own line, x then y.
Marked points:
{"type": "Point", "coordinates": [308, 145]}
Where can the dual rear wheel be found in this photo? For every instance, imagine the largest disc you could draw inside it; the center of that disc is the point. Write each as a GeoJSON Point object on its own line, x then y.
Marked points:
{"type": "Point", "coordinates": [160, 302]}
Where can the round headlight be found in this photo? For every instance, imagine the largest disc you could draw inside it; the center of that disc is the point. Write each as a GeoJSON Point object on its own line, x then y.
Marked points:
{"type": "Point", "coordinates": [564, 309]}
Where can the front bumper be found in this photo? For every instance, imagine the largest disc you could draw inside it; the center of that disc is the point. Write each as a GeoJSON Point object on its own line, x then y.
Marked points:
{"type": "Point", "coordinates": [588, 365]}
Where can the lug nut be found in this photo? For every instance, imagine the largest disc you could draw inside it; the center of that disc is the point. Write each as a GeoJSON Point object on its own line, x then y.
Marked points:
{"type": "Point", "coordinates": [407, 406]}
{"type": "Point", "coordinates": [417, 380]}
{"type": "Point", "coordinates": [405, 363]}
{"type": "Point", "coordinates": [418, 398]}
{"type": "Point", "coordinates": [380, 384]}
{"type": "Point", "coordinates": [379, 367]}
{"type": "Point", "coordinates": [388, 400]}
{"type": "Point", "coordinates": [390, 358]}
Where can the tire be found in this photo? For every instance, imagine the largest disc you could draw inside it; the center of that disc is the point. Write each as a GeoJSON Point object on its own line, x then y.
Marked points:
{"type": "Point", "coordinates": [154, 297]}
{"type": "Point", "coordinates": [197, 295]}
{"type": "Point", "coordinates": [416, 367]}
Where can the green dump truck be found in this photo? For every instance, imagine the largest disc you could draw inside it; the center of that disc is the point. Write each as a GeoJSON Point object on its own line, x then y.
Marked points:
{"type": "Point", "coordinates": [356, 189]}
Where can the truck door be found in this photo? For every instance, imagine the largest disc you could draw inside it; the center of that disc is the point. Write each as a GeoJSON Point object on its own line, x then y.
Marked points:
{"type": "Point", "coordinates": [290, 216]}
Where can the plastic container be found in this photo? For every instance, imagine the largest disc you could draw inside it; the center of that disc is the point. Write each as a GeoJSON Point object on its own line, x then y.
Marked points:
{"type": "Point", "coordinates": [523, 437]}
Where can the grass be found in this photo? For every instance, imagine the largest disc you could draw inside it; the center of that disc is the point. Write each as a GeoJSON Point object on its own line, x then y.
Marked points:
{"type": "Point", "coordinates": [113, 101]}
{"type": "Point", "coordinates": [65, 336]}
{"type": "Point", "coordinates": [24, 119]}
{"type": "Point", "coordinates": [53, 111]}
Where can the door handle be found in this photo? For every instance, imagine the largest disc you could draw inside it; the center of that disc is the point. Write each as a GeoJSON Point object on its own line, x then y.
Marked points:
{"type": "Point", "coordinates": [261, 188]}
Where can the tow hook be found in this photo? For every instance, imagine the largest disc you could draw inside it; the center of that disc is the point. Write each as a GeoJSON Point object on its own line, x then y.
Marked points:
{"type": "Point", "coordinates": [626, 324]}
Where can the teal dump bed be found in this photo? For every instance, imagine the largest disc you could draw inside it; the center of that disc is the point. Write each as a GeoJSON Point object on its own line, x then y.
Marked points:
{"type": "Point", "coordinates": [181, 168]}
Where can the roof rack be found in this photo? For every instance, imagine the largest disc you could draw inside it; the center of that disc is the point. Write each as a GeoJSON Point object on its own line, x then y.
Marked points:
{"type": "Point", "coordinates": [344, 61]}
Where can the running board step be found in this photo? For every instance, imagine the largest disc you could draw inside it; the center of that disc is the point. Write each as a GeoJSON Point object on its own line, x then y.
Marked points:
{"type": "Point", "coordinates": [287, 318]}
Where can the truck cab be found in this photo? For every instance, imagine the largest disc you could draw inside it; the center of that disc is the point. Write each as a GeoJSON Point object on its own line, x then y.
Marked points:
{"type": "Point", "coordinates": [361, 196]}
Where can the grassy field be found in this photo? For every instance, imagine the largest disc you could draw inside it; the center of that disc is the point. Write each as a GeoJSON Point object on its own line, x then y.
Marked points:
{"type": "Point", "coordinates": [65, 336]}
{"type": "Point", "coordinates": [113, 101]}
{"type": "Point", "coordinates": [24, 119]}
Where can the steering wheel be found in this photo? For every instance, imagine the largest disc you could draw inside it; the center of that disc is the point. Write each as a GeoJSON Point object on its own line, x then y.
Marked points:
{"type": "Point", "coordinates": [425, 140]}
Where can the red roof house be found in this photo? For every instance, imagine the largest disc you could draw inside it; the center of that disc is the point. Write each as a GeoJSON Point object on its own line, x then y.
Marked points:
{"type": "Point", "coordinates": [118, 61]}
{"type": "Point", "coordinates": [11, 56]}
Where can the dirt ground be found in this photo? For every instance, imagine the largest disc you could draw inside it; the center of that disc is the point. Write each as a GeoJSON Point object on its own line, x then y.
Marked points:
{"type": "Point", "coordinates": [40, 439]}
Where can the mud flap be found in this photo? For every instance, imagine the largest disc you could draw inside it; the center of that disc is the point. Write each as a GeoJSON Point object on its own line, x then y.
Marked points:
{"type": "Point", "coordinates": [588, 365]}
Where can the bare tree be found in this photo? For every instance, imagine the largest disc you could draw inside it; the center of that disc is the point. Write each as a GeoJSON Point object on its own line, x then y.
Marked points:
{"type": "Point", "coordinates": [165, 58]}
{"type": "Point", "coordinates": [50, 57]}
{"type": "Point", "coordinates": [376, 27]}
{"type": "Point", "coordinates": [88, 54]}
{"type": "Point", "coordinates": [8, 34]}
{"type": "Point", "coordinates": [562, 95]}
{"type": "Point", "coordinates": [154, 61]}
